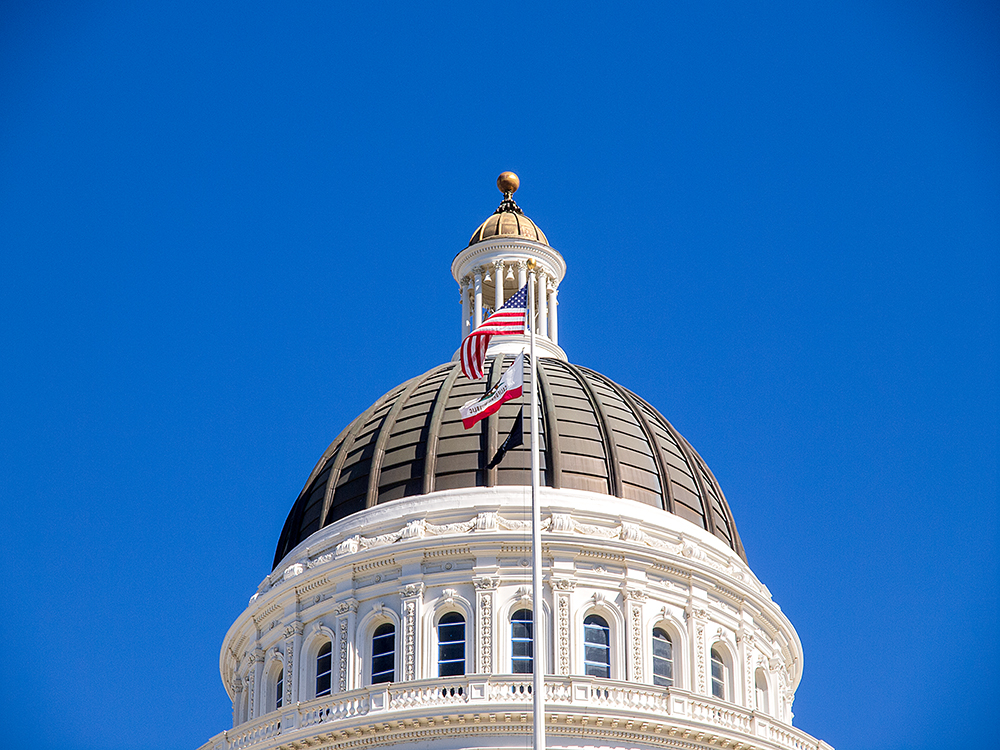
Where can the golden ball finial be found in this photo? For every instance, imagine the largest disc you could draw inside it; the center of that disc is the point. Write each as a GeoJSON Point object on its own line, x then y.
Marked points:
{"type": "Point", "coordinates": [508, 182]}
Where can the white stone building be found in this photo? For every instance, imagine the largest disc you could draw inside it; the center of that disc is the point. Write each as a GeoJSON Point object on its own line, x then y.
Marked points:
{"type": "Point", "coordinates": [398, 611]}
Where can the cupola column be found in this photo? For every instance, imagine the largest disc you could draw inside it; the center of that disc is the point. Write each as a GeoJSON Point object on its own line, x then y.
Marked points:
{"type": "Point", "coordinates": [522, 273]}
{"type": "Point", "coordinates": [543, 318]}
{"type": "Point", "coordinates": [553, 316]}
{"type": "Point", "coordinates": [477, 309]}
{"type": "Point", "coordinates": [498, 283]}
{"type": "Point", "coordinates": [466, 312]}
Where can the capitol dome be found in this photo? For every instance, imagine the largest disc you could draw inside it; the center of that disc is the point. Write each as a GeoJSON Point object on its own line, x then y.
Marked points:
{"type": "Point", "coordinates": [421, 576]}
{"type": "Point", "coordinates": [596, 436]}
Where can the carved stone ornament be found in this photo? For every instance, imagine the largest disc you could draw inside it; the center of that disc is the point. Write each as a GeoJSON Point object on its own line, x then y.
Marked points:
{"type": "Point", "coordinates": [698, 613]}
{"type": "Point", "coordinates": [420, 528]}
{"type": "Point", "coordinates": [348, 605]}
{"type": "Point", "coordinates": [293, 570]}
{"type": "Point", "coordinates": [636, 628]}
{"type": "Point", "coordinates": [409, 638]}
{"type": "Point", "coordinates": [700, 650]}
{"type": "Point", "coordinates": [412, 590]}
{"type": "Point", "coordinates": [562, 584]}
{"type": "Point", "coordinates": [448, 595]}
{"type": "Point", "coordinates": [342, 681]}
{"type": "Point", "coordinates": [486, 632]}
{"type": "Point", "coordinates": [633, 593]}
{"type": "Point", "coordinates": [486, 583]}
{"type": "Point", "coordinates": [523, 594]}
{"type": "Point", "coordinates": [562, 633]}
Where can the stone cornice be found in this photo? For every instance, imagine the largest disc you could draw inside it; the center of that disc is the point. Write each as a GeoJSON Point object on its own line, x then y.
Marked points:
{"type": "Point", "coordinates": [510, 249]}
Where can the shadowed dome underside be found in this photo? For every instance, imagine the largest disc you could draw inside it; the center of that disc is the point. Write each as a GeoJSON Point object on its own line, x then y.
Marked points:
{"type": "Point", "coordinates": [594, 435]}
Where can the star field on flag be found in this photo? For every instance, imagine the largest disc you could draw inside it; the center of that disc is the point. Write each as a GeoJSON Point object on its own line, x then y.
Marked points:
{"type": "Point", "coordinates": [510, 319]}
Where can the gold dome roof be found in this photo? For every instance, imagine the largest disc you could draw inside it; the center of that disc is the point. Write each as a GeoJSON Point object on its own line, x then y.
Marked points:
{"type": "Point", "coordinates": [508, 220]}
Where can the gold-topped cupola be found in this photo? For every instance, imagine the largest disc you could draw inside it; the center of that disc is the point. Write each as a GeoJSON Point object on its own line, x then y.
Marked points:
{"type": "Point", "coordinates": [495, 266]}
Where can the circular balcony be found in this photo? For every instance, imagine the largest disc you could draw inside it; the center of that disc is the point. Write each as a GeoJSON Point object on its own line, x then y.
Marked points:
{"type": "Point", "coordinates": [465, 711]}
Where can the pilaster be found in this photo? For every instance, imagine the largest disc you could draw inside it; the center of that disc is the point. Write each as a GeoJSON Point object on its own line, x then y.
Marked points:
{"type": "Point", "coordinates": [347, 614]}
{"type": "Point", "coordinates": [634, 598]}
{"type": "Point", "coordinates": [411, 601]}
{"type": "Point", "coordinates": [256, 681]}
{"type": "Point", "coordinates": [562, 590]}
{"type": "Point", "coordinates": [293, 640]}
{"type": "Point", "coordinates": [697, 617]}
{"type": "Point", "coordinates": [486, 587]}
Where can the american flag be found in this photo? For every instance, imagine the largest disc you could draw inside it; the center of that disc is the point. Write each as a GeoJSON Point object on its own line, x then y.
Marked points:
{"type": "Point", "coordinates": [509, 319]}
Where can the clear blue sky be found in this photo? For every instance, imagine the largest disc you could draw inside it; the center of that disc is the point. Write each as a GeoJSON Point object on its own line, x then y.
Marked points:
{"type": "Point", "coordinates": [226, 228]}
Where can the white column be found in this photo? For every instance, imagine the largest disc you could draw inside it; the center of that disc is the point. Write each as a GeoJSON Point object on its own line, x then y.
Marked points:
{"type": "Point", "coordinates": [466, 328]}
{"type": "Point", "coordinates": [522, 273]}
{"type": "Point", "coordinates": [553, 316]}
{"type": "Point", "coordinates": [498, 282]}
{"type": "Point", "coordinates": [543, 307]}
{"type": "Point", "coordinates": [477, 309]}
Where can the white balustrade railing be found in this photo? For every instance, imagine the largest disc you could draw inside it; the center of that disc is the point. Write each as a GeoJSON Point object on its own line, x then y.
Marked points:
{"type": "Point", "coordinates": [404, 701]}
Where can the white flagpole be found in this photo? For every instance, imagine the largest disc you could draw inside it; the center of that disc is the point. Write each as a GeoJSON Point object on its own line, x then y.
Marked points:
{"type": "Point", "coordinates": [537, 653]}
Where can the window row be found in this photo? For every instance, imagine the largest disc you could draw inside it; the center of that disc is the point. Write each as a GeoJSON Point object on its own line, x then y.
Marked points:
{"type": "Point", "coordinates": [451, 653]}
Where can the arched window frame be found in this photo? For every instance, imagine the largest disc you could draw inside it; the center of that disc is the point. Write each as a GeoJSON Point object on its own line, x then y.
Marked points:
{"type": "Point", "coordinates": [451, 614]}
{"type": "Point", "coordinates": [385, 638]}
{"type": "Point", "coordinates": [728, 678]}
{"type": "Point", "coordinates": [319, 634]}
{"type": "Point", "coordinates": [515, 661]}
{"type": "Point", "coordinates": [450, 601]}
{"type": "Point", "coordinates": [762, 692]}
{"type": "Point", "coordinates": [274, 669]}
{"type": "Point", "coordinates": [377, 616]}
{"type": "Point", "coordinates": [504, 643]}
{"type": "Point", "coordinates": [616, 628]}
{"type": "Point", "coordinates": [663, 663]}
{"type": "Point", "coordinates": [676, 631]}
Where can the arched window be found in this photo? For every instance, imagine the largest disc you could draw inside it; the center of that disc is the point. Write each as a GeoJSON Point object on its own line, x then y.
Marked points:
{"type": "Point", "coordinates": [451, 645]}
{"type": "Point", "coordinates": [718, 675]}
{"type": "Point", "coordinates": [663, 658]}
{"type": "Point", "coordinates": [760, 691]}
{"type": "Point", "coordinates": [279, 690]}
{"type": "Point", "coordinates": [596, 647]}
{"type": "Point", "coordinates": [384, 653]}
{"type": "Point", "coordinates": [521, 644]}
{"type": "Point", "coordinates": [324, 668]}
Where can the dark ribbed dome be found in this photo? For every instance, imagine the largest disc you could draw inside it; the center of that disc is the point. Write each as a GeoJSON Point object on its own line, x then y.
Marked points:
{"type": "Point", "coordinates": [594, 435]}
